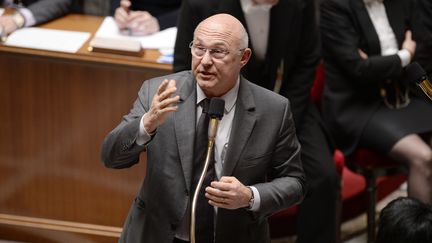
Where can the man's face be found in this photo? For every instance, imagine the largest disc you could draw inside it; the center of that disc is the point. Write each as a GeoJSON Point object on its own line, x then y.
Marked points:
{"type": "Point", "coordinates": [216, 58]}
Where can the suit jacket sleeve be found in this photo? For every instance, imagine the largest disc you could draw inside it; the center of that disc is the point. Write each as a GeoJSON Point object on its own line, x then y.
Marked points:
{"type": "Point", "coordinates": [45, 10]}
{"type": "Point", "coordinates": [300, 73]}
{"type": "Point", "coordinates": [287, 185]}
{"type": "Point", "coordinates": [119, 149]}
{"type": "Point", "coordinates": [342, 40]}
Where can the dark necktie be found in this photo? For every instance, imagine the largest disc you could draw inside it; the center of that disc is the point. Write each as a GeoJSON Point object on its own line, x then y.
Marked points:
{"type": "Point", "coordinates": [204, 213]}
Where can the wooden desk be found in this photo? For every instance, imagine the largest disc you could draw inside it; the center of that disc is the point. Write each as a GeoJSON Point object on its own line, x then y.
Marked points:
{"type": "Point", "coordinates": [56, 108]}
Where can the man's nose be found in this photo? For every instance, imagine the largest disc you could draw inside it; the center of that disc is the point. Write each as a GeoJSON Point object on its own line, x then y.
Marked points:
{"type": "Point", "coordinates": [207, 58]}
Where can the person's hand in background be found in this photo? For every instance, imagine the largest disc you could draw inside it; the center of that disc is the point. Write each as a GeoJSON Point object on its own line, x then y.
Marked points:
{"type": "Point", "coordinates": [135, 22]}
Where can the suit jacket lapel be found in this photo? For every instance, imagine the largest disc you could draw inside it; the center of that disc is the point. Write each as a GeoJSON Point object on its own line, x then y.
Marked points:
{"type": "Point", "coordinates": [185, 119]}
{"type": "Point", "coordinates": [243, 124]}
{"type": "Point", "coordinates": [365, 23]}
{"type": "Point", "coordinates": [394, 10]}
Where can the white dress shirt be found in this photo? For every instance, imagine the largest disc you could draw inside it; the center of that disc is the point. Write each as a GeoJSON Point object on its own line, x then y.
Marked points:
{"type": "Point", "coordinates": [388, 42]}
{"type": "Point", "coordinates": [257, 18]}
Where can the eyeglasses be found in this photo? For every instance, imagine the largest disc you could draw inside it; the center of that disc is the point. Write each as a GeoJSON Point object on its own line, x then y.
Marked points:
{"type": "Point", "coordinates": [216, 53]}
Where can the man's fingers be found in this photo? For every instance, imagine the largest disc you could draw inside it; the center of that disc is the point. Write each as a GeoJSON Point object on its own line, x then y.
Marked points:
{"type": "Point", "coordinates": [408, 35]}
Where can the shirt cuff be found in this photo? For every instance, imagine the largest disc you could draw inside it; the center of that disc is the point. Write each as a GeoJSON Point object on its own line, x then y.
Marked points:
{"type": "Point", "coordinates": [28, 16]}
{"type": "Point", "coordinates": [143, 136]}
{"type": "Point", "coordinates": [257, 200]}
{"type": "Point", "coordinates": [405, 57]}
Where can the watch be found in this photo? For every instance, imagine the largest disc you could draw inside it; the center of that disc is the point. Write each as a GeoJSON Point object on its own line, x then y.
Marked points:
{"type": "Point", "coordinates": [18, 19]}
{"type": "Point", "coordinates": [252, 199]}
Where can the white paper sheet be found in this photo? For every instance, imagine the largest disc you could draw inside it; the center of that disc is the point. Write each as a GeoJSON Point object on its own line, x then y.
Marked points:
{"type": "Point", "coordinates": [164, 39]}
{"type": "Point", "coordinates": [48, 39]}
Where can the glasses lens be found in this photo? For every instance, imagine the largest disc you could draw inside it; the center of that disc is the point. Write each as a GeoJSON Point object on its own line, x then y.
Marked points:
{"type": "Point", "coordinates": [199, 51]}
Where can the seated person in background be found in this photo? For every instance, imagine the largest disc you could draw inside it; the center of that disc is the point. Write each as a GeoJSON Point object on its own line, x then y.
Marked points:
{"type": "Point", "coordinates": [144, 17]}
{"type": "Point", "coordinates": [405, 220]}
{"type": "Point", "coordinates": [31, 12]}
{"type": "Point", "coordinates": [367, 100]}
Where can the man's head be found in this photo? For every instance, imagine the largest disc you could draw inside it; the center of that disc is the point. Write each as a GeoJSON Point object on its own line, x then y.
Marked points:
{"type": "Point", "coordinates": [219, 51]}
{"type": "Point", "coordinates": [405, 220]}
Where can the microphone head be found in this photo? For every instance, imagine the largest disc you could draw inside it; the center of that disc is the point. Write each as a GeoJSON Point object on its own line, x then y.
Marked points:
{"type": "Point", "coordinates": [415, 73]}
{"type": "Point", "coordinates": [216, 108]}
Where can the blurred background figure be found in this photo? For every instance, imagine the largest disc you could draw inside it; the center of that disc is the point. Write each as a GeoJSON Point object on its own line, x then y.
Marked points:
{"type": "Point", "coordinates": [31, 12]}
{"type": "Point", "coordinates": [144, 17]}
{"type": "Point", "coordinates": [92, 7]}
{"type": "Point", "coordinates": [367, 101]}
{"type": "Point", "coordinates": [285, 46]}
{"type": "Point", "coordinates": [405, 220]}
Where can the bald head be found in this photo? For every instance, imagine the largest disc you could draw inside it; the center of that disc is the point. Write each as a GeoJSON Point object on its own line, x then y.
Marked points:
{"type": "Point", "coordinates": [226, 24]}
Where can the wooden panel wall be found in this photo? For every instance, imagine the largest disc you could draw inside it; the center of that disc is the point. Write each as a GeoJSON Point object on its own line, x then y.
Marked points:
{"type": "Point", "coordinates": [54, 115]}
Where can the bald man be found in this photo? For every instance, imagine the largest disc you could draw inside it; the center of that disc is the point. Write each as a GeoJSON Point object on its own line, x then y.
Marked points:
{"type": "Point", "coordinates": [257, 154]}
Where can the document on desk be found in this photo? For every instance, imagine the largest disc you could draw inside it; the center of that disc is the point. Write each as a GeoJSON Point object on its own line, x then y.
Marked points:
{"type": "Point", "coordinates": [48, 39]}
{"type": "Point", "coordinates": [164, 39]}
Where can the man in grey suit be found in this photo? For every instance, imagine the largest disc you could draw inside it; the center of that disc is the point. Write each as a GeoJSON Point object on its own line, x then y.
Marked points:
{"type": "Point", "coordinates": [31, 12]}
{"type": "Point", "coordinates": [257, 154]}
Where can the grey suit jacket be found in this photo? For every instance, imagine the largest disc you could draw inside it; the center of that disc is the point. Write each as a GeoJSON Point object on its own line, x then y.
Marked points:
{"type": "Point", "coordinates": [263, 152]}
{"type": "Point", "coordinates": [45, 10]}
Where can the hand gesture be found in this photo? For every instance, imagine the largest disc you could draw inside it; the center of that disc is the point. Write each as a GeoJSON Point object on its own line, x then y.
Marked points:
{"type": "Point", "coordinates": [162, 104]}
{"type": "Point", "coordinates": [409, 44]}
{"type": "Point", "coordinates": [228, 193]}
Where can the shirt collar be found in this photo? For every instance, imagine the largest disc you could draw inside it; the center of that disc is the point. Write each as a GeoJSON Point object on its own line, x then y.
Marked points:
{"type": "Point", "coordinates": [230, 97]}
{"type": "Point", "coordinates": [372, 1]}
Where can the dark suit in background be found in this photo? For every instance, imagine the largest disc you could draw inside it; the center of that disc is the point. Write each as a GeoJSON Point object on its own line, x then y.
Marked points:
{"type": "Point", "coordinates": [368, 101]}
{"type": "Point", "coordinates": [293, 38]}
{"type": "Point", "coordinates": [352, 84]}
{"type": "Point", "coordinates": [45, 10]}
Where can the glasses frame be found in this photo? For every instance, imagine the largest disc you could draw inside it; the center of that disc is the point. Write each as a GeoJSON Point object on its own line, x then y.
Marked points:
{"type": "Point", "coordinates": [212, 51]}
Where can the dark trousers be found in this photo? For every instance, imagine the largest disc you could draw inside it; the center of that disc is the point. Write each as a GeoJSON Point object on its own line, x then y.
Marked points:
{"type": "Point", "coordinates": [317, 217]}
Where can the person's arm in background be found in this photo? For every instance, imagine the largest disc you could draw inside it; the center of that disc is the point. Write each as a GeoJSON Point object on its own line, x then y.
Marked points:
{"type": "Point", "coordinates": [299, 75]}
{"type": "Point", "coordinates": [34, 14]}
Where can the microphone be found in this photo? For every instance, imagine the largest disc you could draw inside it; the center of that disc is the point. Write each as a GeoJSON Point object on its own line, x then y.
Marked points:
{"type": "Point", "coordinates": [216, 111]}
{"type": "Point", "coordinates": [415, 73]}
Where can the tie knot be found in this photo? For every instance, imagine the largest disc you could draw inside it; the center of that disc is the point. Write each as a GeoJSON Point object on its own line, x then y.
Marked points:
{"type": "Point", "coordinates": [205, 103]}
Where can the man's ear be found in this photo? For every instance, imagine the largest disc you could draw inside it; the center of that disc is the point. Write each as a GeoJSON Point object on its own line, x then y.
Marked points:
{"type": "Point", "coordinates": [247, 53]}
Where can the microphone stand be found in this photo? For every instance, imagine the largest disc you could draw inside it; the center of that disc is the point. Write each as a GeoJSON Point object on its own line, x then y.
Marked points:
{"type": "Point", "coordinates": [214, 122]}
{"type": "Point", "coordinates": [417, 74]}
{"type": "Point", "coordinates": [426, 86]}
